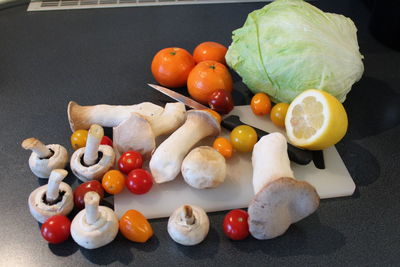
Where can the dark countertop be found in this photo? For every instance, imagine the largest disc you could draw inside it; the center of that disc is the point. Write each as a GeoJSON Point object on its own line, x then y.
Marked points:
{"type": "Point", "coordinates": [103, 56]}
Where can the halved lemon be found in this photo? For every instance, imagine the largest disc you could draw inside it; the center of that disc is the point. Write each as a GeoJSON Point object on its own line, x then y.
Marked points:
{"type": "Point", "coordinates": [315, 120]}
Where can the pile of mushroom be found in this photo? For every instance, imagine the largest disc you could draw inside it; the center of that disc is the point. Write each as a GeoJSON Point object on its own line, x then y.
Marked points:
{"type": "Point", "coordinates": [95, 226]}
{"type": "Point", "coordinates": [45, 158]}
{"type": "Point", "coordinates": [188, 225]}
{"type": "Point", "coordinates": [166, 162]}
{"type": "Point", "coordinates": [94, 160]}
{"type": "Point", "coordinates": [204, 167]}
{"type": "Point", "coordinates": [54, 198]}
{"type": "Point", "coordinates": [135, 127]}
{"type": "Point", "coordinates": [280, 199]}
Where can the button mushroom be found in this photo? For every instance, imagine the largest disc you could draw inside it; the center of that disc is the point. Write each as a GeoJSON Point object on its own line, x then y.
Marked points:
{"type": "Point", "coordinates": [45, 158]}
{"type": "Point", "coordinates": [94, 160]}
{"type": "Point", "coordinates": [204, 167]}
{"type": "Point", "coordinates": [280, 199]}
{"type": "Point", "coordinates": [139, 133]}
{"type": "Point", "coordinates": [51, 199]}
{"type": "Point", "coordinates": [95, 226]}
{"type": "Point", "coordinates": [165, 163]}
{"type": "Point", "coordinates": [188, 225]}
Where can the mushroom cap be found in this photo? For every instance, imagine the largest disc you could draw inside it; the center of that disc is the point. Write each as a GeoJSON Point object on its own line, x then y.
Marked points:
{"type": "Point", "coordinates": [96, 171]}
{"type": "Point", "coordinates": [134, 133]}
{"type": "Point", "coordinates": [279, 204]}
{"type": "Point", "coordinates": [43, 167]}
{"type": "Point", "coordinates": [205, 119]}
{"type": "Point", "coordinates": [186, 234]}
{"type": "Point", "coordinates": [204, 167]}
{"type": "Point", "coordinates": [96, 235]}
{"type": "Point", "coordinates": [42, 211]}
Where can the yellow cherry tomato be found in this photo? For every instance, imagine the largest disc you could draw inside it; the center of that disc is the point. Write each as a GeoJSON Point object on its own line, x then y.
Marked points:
{"type": "Point", "coordinates": [214, 114]}
{"type": "Point", "coordinates": [135, 227]}
{"type": "Point", "coordinates": [243, 138]}
{"type": "Point", "coordinates": [113, 182]}
{"type": "Point", "coordinates": [78, 139]}
{"type": "Point", "coordinates": [223, 146]}
{"type": "Point", "coordinates": [278, 114]}
{"type": "Point", "coordinates": [260, 104]}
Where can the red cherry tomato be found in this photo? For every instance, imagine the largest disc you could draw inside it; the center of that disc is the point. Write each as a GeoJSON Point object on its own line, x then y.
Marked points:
{"type": "Point", "coordinates": [129, 161]}
{"type": "Point", "coordinates": [106, 141]}
{"type": "Point", "coordinates": [261, 104]}
{"type": "Point", "coordinates": [82, 189]}
{"type": "Point", "coordinates": [235, 224]}
{"type": "Point", "coordinates": [221, 101]}
{"type": "Point", "coordinates": [56, 229]}
{"type": "Point", "coordinates": [139, 181]}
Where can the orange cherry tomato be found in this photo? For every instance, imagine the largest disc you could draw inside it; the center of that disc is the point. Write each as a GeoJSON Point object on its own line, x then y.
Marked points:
{"type": "Point", "coordinates": [223, 146]}
{"type": "Point", "coordinates": [78, 139]}
{"type": "Point", "coordinates": [135, 227]}
{"type": "Point", "coordinates": [210, 51]}
{"type": "Point", "coordinates": [207, 77]}
{"type": "Point", "coordinates": [214, 114]}
{"type": "Point", "coordinates": [171, 66]}
{"type": "Point", "coordinates": [260, 104]}
{"type": "Point", "coordinates": [113, 182]}
{"type": "Point", "coordinates": [243, 138]}
{"type": "Point", "coordinates": [278, 114]}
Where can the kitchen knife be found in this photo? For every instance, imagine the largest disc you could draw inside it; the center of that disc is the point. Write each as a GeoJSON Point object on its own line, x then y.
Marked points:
{"type": "Point", "coordinates": [296, 154]}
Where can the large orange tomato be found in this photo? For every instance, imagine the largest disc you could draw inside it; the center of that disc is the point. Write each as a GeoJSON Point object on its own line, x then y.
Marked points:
{"type": "Point", "coordinates": [207, 77]}
{"type": "Point", "coordinates": [210, 51]}
{"type": "Point", "coordinates": [171, 66]}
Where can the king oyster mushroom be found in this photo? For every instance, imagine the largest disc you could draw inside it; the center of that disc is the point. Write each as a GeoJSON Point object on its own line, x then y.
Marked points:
{"type": "Point", "coordinates": [280, 199]}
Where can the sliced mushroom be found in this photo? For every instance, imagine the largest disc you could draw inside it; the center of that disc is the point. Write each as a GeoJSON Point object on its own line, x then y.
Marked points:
{"type": "Point", "coordinates": [95, 226]}
{"type": "Point", "coordinates": [165, 163]}
{"type": "Point", "coordinates": [51, 199]}
{"type": "Point", "coordinates": [280, 199]}
{"type": "Point", "coordinates": [139, 133]}
{"type": "Point", "coordinates": [204, 167]}
{"type": "Point", "coordinates": [94, 160]}
{"type": "Point", "coordinates": [188, 225]}
{"type": "Point", "coordinates": [45, 158]}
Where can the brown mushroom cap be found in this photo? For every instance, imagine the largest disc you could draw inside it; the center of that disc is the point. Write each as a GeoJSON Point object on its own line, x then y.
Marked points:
{"type": "Point", "coordinates": [279, 204]}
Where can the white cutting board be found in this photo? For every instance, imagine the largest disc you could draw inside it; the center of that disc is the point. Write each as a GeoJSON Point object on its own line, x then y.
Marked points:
{"type": "Point", "coordinates": [236, 191]}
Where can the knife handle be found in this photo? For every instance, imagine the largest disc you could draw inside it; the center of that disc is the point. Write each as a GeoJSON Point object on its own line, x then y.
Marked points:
{"type": "Point", "coordinates": [296, 154]}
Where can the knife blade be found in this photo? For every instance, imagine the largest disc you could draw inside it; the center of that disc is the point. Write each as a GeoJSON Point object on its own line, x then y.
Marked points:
{"type": "Point", "coordinates": [296, 154]}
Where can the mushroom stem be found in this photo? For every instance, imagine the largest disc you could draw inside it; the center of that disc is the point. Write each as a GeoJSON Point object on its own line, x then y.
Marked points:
{"type": "Point", "coordinates": [187, 215]}
{"type": "Point", "coordinates": [95, 135]}
{"type": "Point", "coordinates": [37, 147]}
{"type": "Point", "coordinates": [92, 200]}
{"type": "Point", "coordinates": [270, 161]}
{"type": "Point", "coordinates": [56, 176]}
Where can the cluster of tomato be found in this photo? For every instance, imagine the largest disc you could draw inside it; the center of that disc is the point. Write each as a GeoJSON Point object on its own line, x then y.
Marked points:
{"type": "Point", "coordinates": [205, 74]}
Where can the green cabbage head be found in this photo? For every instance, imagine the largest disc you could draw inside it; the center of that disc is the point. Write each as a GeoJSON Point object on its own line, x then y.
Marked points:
{"type": "Point", "coordinates": [290, 46]}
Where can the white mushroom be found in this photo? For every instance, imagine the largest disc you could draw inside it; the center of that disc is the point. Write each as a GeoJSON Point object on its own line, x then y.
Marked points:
{"type": "Point", "coordinates": [139, 133]}
{"type": "Point", "coordinates": [188, 225]}
{"type": "Point", "coordinates": [165, 163]}
{"type": "Point", "coordinates": [280, 199]}
{"type": "Point", "coordinates": [95, 226]}
{"type": "Point", "coordinates": [45, 158]}
{"type": "Point", "coordinates": [204, 167]}
{"type": "Point", "coordinates": [94, 160]}
{"type": "Point", "coordinates": [51, 199]}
